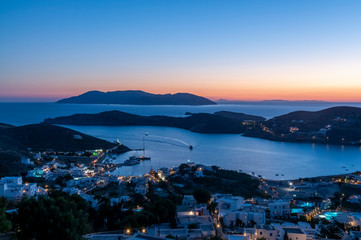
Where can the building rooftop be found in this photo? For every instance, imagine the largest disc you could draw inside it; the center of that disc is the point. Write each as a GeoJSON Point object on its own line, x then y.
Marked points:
{"type": "Point", "coordinates": [357, 234]}
{"type": "Point", "coordinates": [146, 237]}
{"type": "Point", "coordinates": [293, 230]}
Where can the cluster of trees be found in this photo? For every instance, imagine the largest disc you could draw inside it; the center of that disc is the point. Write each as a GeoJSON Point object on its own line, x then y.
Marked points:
{"type": "Point", "coordinates": [5, 224]}
{"type": "Point", "coordinates": [61, 216]}
{"type": "Point", "coordinates": [158, 210]}
{"type": "Point", "coordinates": [217, 180]}
{"type": "Point", "coordinates": [201, 195]}
{"type": "Point", "coordinates": [330, 231]}
{"type": "Point", "coordinates": [58, 216]}
{"type": "Point", "coordinates": [61, 180]}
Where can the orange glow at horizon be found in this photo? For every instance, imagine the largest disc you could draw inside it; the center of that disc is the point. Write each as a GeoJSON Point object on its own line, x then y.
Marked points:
{"type": "Point", "coordinates": [335, 94]}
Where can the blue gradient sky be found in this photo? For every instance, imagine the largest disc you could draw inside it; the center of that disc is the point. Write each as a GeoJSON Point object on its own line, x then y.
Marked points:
{"type": "Point", "coordinates": [248, 50]}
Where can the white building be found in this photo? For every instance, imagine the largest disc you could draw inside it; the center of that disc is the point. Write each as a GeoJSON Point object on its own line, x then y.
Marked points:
{"type": "Point", "coordinates": [204, 224]}
{"type": "Point", "coordinates": [295, 233]}
{"type": "Point", "coordinates": [12, 180]}
{"type": "Point", "coordinates": [13, 188]}
{"type": "Point", "coordinates": [77, 172]}
{"type": "Point", "coordinates": [26, 161]}
{"type": "Point", "coordinates": [238, 237]}
{"type": "Point", "coordinates": [355, 199]}
{"type": "Point", "coordinates": [227, 203]}
{"type": "Point", "coordinates": [188, 200]}
{"type": "Point", "coordinates": [274, 208]}
{"type": "Point", "coordinates": [231, 218]}
{"type": "Point", "coordinates": [141, 187]}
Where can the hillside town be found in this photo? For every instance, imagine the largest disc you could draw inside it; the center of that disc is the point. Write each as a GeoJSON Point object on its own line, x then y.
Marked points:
{"type": "Point", "coordinates": [209, 202]}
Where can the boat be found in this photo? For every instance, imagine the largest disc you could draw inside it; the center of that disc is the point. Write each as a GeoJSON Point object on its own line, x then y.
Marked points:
{"type": "Point", "coordinates": [139, 158]}
{"type": "Point", "coordinates": [142, 158]}
{"type": "Point", "coordinates": [191, 147]}
{"type": "Point", "coordinates": [131, 161]}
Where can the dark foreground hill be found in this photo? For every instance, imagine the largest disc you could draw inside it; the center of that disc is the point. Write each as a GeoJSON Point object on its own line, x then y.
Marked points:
{"type": "Point", "coordinates": [15, 141]}
{"type": "Point", "coordinates": [336, 125]}
{"type": "Point", "coordinates": [42, 137]}
{"type": "Point", "coordinates": [137, 98]}
{"type": "Point", "coordinates": [200, 122]}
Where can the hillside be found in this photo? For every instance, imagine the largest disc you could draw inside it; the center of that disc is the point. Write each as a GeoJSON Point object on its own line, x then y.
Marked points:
{"type": "Point", "coordinates": [239, 116]}
{"type": "Point", "coordinates": [336, 125]}
{"type": "Point", "coordinates": [42, 137]}
{"type": "Point", "coordinates": [15, 141]}
{"type": "Point", "coordinates": [137, 98]}
{"type": "Point", "coordinates": [201, 122]}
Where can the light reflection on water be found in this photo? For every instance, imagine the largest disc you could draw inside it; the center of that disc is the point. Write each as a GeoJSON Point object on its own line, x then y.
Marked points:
{"type": "Point", "coordinates": [169, 147]}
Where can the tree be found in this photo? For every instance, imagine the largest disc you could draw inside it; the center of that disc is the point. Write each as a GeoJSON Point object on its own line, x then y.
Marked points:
{"type": "Point", "coordinates": [5, 224]}
{"type": "Point", "coordinates": [215, 238]}
{"type": "Point", "coordinates": [57, 216]}
{"type": "Point", "coordinates": [212, 206]}
{"type": "Point", "coordinates": [239, 223]}
{"type": "Point", "coordinates": [285, 237]}
{"type": "Point", "coordinates": [61, 180]}
{"type": "Point", "coordinates": [331, 231]}
{"type": "Point", "coordinates": [163, 209]}
{"type": "Point", "coordinates": [201, 195]}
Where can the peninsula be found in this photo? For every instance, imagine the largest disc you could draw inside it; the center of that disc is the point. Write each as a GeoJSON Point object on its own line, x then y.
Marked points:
{"type": "Point", "coordinates": [336, 125]}
{"type": "Point", "coordinates": [220, 122]}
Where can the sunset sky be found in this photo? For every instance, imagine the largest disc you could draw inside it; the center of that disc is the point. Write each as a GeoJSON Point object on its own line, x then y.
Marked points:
{"type": "Point", "coordinates": [237, 50]}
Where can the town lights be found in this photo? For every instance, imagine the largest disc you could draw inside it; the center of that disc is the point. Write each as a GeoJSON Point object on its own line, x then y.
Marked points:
{"type": "Point", "coordinates": [218, 226]}
{"type": "Point", "coordinates": [144, 230]}
{"type": "Point", "coordinates": [127, 231]}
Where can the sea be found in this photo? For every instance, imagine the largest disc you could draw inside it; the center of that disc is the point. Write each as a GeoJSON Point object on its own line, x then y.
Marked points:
{"type": "Point", "coordinates": [169, 147]}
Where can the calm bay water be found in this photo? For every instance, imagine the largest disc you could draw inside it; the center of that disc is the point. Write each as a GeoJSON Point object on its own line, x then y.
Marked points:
{"type": "Point", "coordinates": [170, 146]}
{"type": "Point", "coordinates": [27, 113]}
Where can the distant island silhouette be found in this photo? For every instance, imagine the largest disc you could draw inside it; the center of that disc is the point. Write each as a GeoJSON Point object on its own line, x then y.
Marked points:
{"type": "Point", "coordinates": [137, 97]}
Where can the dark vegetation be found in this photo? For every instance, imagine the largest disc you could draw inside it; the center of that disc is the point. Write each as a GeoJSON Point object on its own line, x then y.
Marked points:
{"type": "Point", "coordinates": [5, 224]}
{"type": "Point", "coordinates": [201, 195]}
{"type": "Point", "coordinates": [61, 216]}
{"type": "Point", "coordinates": [330, 231]}
{"type": "Point", "coordinates": [58, 216]}
{"type": "Point", "coordinates": [43, 137]}
{"type": "Point", "coordinates": [137, 98]}
{"type": "Point", "coordinates": [10, 163]}
{"type": "Point", "coordinates": [15, 143]}
{"type": "Point", "coordinates": [216, 181]}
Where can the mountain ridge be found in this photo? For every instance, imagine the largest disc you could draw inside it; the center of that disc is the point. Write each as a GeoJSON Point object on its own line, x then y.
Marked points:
{"type": "Point", "coordinates": [137, 97]}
